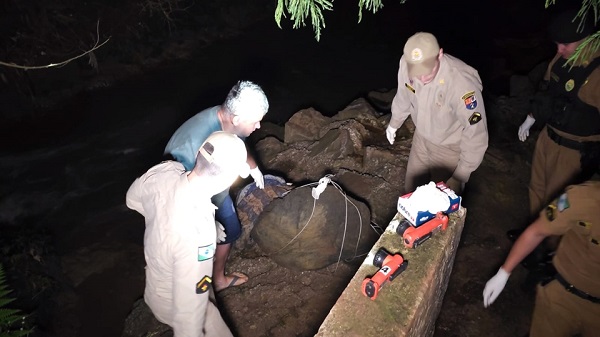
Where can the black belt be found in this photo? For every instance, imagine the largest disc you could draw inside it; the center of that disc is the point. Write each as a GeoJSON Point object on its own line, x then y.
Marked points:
{"type": "Point", "coordinates": [168, 156]}
{"type": "Point", "coordinates": [562, 141]}
{"type": "Point", "coordinates": [571, 288]}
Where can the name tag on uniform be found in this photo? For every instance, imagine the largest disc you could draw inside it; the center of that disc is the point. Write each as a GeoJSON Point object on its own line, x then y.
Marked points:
{"type": "Point", "coordinates": [206, 252]}
{"type": "Point", "coordinates": [409, 87]}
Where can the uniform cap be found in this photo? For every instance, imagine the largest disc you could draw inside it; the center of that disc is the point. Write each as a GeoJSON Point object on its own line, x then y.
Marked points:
{"type": "Point", "coordinates": [564, 28]}
{"type": "Point", "coordinates": [420, 52]}
{"type": "Point", "coordinates": [227, 151]}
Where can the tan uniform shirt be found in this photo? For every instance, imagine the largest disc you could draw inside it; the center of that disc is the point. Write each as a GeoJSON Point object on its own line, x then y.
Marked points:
{"type": "Point", "coordinates": [576, 216]}
{"type": "Point", "coordinates": [179, 245]}
{"type": "Point", "coordinates": [448, 111]}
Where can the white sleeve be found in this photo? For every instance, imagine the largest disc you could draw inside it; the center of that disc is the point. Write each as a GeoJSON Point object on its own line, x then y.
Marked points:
{"type": "Point", "coordinates": [189, 302]}
{"type": "Point", "coordinates": [133, 199]}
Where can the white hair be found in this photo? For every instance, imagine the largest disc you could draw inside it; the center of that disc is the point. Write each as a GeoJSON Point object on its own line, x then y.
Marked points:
{"type": "Point", "coordinates": [247, 100]}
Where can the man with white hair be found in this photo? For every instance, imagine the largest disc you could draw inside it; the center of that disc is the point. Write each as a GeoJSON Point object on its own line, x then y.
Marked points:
{"type": "Point", "coordinates": [442, 94]}
{"type": "Point", "coordinates": [181, 237]}
{"type": "Point", "coordinates": [241, 113]}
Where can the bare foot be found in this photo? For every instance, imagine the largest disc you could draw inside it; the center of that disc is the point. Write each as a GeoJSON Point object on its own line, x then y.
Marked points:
{"type": "Point", "coordinates": [231, 280]}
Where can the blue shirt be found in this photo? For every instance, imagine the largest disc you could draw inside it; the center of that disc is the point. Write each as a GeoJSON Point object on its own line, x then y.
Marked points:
{"type": "Point", "coordinates": [186, 141]}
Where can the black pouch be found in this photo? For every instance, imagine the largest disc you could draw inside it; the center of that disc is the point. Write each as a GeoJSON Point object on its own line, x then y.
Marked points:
{"type": "Point", "coordinates": [590, 160]}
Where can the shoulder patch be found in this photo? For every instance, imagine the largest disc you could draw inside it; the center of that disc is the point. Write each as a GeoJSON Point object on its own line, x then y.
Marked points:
{"type": "Point", "coordinates": [475, 118]}
{"type": "Point", "coordinates": [409, 87]}
{"type": "Point", "coordinates": [563, 202]}
{"type": "Point", "coordinates": [206, 252]}
{"type": "Point", "coordinates": [470, 100]}
{"type": "Point", "coordinates": [551, 212]}
{"type": "Point", "coordinates": [203, 285]}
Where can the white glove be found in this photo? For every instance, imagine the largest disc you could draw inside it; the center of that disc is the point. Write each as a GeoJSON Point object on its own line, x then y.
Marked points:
{"type": "Point", "coordinates": [258, 177]}
{"type": "Point", "coordinates": [494, 287]}
{"type": "Point", "coordinates": [390, 133]}
{"type": "Point", "coordinates": [524, 128]}
{"type": "Point", "coordinates": [221, 235]}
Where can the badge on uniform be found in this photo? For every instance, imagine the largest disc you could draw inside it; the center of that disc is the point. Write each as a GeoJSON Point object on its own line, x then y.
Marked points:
{"type": "Point", "coordinates": [203, 285]}
{"type": "Point", "coordinates": [470, 100]}
{"type": "Point", "coordinates": [475, 118]}
{"type": "Point", "coordinates": [584, 224]}
{"type": "Point", "coordinates": [409, 87]}
{"type": "Point", "coordinates": [569, 85]}
{"type": "Point", "coordinates": [551, 212]}
{"type": "Point", "coordinates": [563, 202]}
{"type": "Point", "coordinates": [206, 252]}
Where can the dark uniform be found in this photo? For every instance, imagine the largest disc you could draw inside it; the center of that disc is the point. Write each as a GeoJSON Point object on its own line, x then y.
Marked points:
{"type": "Point", "coordinates": [570, 304]}
{"type": "Point", "coordinates": [568, 147]}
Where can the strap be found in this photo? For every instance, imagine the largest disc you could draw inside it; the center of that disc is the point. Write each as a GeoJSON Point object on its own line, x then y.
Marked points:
{"type": "Point", "coordinates": [571, 288]}
{"type": "Point", "coordinates": [562, 141]}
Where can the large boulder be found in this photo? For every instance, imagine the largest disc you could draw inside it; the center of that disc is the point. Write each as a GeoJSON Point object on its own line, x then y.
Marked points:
{"type": "Point", "coordinates": [303, 233]}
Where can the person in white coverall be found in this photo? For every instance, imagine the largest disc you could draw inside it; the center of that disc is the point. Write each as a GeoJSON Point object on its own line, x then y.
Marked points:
{"type": "Point", "coordinates": [442, 95]}
{"type": "Point", "coordinates": [181, 236]}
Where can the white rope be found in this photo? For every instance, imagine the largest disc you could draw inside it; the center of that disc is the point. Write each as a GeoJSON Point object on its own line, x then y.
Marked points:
{"type": "Point", "coordinates": [315, 193]}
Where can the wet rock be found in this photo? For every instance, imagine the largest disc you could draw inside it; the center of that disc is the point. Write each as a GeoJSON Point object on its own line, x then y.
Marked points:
{"type": "Point", "coordinates": [142, 323]}
{"type": "Point", "coordinates": [301, 233]}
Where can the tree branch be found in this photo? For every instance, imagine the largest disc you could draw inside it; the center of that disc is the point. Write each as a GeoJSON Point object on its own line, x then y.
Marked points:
{"type": "Point", "coordinates": [60, 64]}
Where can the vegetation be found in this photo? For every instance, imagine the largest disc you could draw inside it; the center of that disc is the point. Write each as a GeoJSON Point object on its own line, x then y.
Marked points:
{"type": "Point", "coordinates": [592, 44]}
{"type": "Point", "coordinates": [10, 318]}
{"type": "Point", "coordinates": [300, 10]}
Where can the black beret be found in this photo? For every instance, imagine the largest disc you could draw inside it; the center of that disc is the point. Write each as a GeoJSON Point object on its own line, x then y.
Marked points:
{"type": "Point", "coordinates": [564, 27]}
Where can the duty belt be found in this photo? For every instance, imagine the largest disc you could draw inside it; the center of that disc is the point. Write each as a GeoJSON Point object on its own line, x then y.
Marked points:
{"type": "Point", "coordinates": [571, 288]}
{"type": "Point", "coordinates": [562, 141]}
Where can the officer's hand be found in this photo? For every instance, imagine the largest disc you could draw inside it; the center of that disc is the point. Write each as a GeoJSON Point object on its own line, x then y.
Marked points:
{"type": "Point", "coordinates": [390, 133]}
{"type": "Point", "coordinates": [258, 177]}
{"type": "Point", "coordinates": [494, 287]}
{"type": "Point", "coordinates": [221, 235]}
{"type": "Point", "coordinates": [524, 128]}
{"type": "Point", "coordinates": [456, 185]}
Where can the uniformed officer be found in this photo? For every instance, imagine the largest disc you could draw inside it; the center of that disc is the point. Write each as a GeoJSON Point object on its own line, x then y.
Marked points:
{"type": "Point", "coordinates": [570, 303]}
{"type": "Point", "coordinates": [442, 95]}
{"type": "Point", "coordinates": [181, 236]}
{"type": "Point", "coordinates": [568, 147]}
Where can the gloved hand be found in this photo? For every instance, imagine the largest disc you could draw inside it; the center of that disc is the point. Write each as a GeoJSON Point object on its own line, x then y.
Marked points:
{"type": "Point", "coordinates": [221, 235]}
{"type": "Point", "coordinates": [456, 185]}
{"type": "Point", "coordinates": [524, 128]}
{"type": "Point", "coordinates": [494, 287]}
{"type": "Point", "coordinates": [258, 177]}
{"type": "Point", "coordinates": [390, 133]}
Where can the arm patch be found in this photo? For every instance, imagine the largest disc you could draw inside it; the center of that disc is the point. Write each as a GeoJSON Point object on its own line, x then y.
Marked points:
{"type": "Point", "coordinates": [203, 285]}
{"type": "Point", "coordinates": [475, 118]}
{"type": "Point", "coordinates": [470, 100]}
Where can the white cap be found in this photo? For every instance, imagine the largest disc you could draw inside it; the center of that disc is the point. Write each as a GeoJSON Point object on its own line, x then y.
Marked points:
{"type": "Point", "coordinates": [227, 151]}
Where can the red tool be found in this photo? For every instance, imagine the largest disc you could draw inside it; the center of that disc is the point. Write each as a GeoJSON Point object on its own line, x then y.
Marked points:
{"type": "Point", "coordinates": [414, 236]}
{"type": "Point", "coordinates": [390, 267]}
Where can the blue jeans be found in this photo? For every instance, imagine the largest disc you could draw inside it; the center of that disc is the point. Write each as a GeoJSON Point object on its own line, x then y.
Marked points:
{"type": "Point", "coordinates": [227, 216]}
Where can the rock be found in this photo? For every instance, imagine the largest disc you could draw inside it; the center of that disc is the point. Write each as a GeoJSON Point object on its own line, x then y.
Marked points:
{"type": "Point", "coordinates": [251, 201]}
{"type": "Point", "coordinates": [142, 323]}
{"type": "Point", "coordinates": [304, 125]}
{"type": "Point", "coordinates": [301, 233]}
{"type": "Point", "coordinates": [382, 100]}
